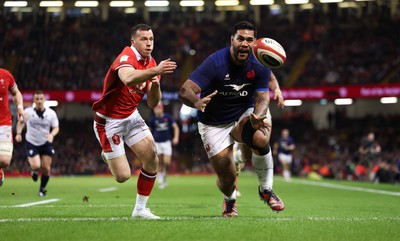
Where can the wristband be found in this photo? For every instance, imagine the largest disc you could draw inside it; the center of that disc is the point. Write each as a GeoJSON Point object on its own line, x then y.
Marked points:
{"type": "Point", "coordinates": [20, 107]}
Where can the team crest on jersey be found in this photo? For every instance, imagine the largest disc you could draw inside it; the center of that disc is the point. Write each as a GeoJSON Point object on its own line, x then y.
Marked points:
{"type": "Point", "coordinates": [250, 74]}
{"type": "Point", "coordinates": [207, 147]}
{"type": "Point", "coordinates": [124, 58]}
{"type": "Point", "coordinates": [116, 139]}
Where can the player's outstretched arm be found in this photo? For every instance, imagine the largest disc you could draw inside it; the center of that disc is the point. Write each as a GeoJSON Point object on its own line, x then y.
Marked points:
{"type": "Point", "coordinates": [154, 92]}
{"type": "Point", "coordinates": [19, 102]}
{"type": "Point", "coordinates": [131, 76]}
{"type": "Point", "coordinates": [274, 85]}
{"type": "Point", "coordinates": [188, 95]}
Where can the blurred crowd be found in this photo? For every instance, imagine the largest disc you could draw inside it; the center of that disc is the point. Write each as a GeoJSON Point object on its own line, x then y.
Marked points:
{"type": "Point", "coordinates": [330, 153]}
{"type": "Point", "coordinates": [323, 48]}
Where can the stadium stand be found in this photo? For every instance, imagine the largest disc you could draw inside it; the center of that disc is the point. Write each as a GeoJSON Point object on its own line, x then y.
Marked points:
{"type": "Point", "coordinates": [323, 49]}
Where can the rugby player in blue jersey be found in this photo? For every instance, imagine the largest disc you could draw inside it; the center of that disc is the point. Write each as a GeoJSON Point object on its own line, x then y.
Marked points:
{"type": "Point", "coordinates": [230, 82]}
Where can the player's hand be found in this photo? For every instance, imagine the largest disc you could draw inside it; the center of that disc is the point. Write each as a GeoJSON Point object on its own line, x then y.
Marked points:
{"type": "Point", "coordinates": [18, 138]}
{"type": "Point", "coordinates": [21, 115]}
{"type": "Point", "coordinates": [260, 123]}
{"type": "Point", "coordinates": [155, 80]}
{"type": "Point", "coordinates": [202, 103]}
{"type": "Point", "coordinates": [50, 137]}
{"type": "Point", "coordinates": [175, 141]}
{"type": "Point", "coordinates": [166, 66]}
{"type": "Point", "coordinates": [279, 97]}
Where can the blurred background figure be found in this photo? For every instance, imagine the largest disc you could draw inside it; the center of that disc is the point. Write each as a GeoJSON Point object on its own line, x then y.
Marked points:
{"type": "Point", "coordinates": [166, 133]}
{"type": "Point", "coordinates": [283, 149]}
{"type": "Point", "coordinates": [41, 128]}
{"type": "Point", "coordinates": [370, 153]}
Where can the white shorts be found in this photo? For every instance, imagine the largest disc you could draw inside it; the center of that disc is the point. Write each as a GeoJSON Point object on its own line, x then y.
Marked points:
{"type": "Point", "coordinates": [164, 148]}
{"type": "Point", "coordinates": [6, 141]}
{"type": "Point", "coordinates": [113, 133]}
{"type": "Point", "coordinates": [216, 137]}
{"type": "Point", "coordinates": [285, 158]}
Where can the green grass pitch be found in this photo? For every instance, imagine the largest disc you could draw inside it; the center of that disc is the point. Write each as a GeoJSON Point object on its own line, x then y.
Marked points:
{"type": "Point", "coordinates": [191, 208]}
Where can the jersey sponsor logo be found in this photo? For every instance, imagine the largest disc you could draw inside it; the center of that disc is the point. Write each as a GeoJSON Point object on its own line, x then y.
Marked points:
{"type": "Point", "coordinates": [123, 58]}
{"type": "Point", "coordinates": [237, 90]}
{"type": "Point", "coordinates": [116, 139]}
{"type": "Point", "coordinates": [239, 87]}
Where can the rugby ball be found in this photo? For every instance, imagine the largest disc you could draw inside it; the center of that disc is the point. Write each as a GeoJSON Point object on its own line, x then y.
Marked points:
{"type": "Point", "coordinates": [269, 52]}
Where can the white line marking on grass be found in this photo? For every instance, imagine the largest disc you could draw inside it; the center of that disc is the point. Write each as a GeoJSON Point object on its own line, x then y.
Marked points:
{"type": "Point", "coordinates": [85, 219]}
{"type": "Point", "coordinates": [343, 187]}
{"type": "Point", "coordinates": [36, 203]}
{"type": "Point", "coordinates": [107, 189]}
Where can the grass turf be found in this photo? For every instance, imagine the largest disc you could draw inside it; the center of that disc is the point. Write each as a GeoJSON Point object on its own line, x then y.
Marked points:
{"type": "Point", "coordinates": [191, 208]}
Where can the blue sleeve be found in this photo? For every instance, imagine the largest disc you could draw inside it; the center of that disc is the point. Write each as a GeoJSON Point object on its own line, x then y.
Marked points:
{"type": "Point", "coordinates": [151, 123]}
{"type": "Point", "coordinates": [171, 120]}
{"type": "Point", "coordinates": [204, 74]}
{"type": "Point", "coordinates": [263, 80]}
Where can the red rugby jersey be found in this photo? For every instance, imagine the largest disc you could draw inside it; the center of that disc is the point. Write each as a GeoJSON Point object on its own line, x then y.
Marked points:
{"type": "Point", "coordinates": [118, 100]}
{"type": "Point", "coordinates": [7, 83]}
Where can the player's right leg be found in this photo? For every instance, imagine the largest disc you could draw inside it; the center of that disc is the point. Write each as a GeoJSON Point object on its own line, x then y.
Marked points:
{"type": "Point", "coordinates": [110, 133]}
{"type": "Point", "coordinates": [225, 169]}
{"type": "Point", "coordinates": [6, 150]}
{"type": "Point", "coordinates": [218, 144]}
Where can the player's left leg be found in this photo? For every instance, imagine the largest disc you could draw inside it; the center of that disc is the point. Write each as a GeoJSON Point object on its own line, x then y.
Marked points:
{"type": "Point", "coordinates": [35, 163]}
{"type": "Point", "coordinates": [45, 170]}
{"type": "Point", "coordinates": [261, 158]}
{"type": "Point", "coordinates": [146, 153]}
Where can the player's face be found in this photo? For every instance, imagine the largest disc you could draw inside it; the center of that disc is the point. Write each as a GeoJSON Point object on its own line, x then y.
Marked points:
{"type": "Point", "coordinates": [158, 110]}
{"type": "Point", "coordinates": [39, 100]}
{"type": "Point", "coordinates": [241, 45]}
{"type": "Point", "coordinates": [143, 42]}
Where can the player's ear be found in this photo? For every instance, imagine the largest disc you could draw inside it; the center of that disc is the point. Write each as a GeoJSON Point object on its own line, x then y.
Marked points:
{"type": "Point", "coordinates": [133, 41]}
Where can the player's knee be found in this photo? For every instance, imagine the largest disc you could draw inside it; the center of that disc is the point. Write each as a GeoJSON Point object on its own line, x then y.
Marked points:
{"type": "Point", "coordinates": [248, 133]}
{"type": "Point", "coordinates": [122, 178]}
{"type": "Point", "coordinates": [263, 151]}
{"type": "Point", "coordinates": [5, 161]}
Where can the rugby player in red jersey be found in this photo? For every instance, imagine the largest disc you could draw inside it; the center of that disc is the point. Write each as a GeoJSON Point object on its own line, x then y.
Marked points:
{"type": "Point", "coordinates": [8, 85]}
{"type": "Point", "coordinates": [117, 121]}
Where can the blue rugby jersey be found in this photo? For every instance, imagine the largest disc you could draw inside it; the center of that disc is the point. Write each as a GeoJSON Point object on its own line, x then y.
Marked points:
{"type": "Point", "coordinates": [283, 143]}
{"type": "Point", "coordinates": [162, 127]}
{"type": "Point", "coordinates": [235, 85]}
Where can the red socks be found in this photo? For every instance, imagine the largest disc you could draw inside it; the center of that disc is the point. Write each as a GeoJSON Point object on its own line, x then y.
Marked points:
{"type": "Point", "coordinates": [145, 182]}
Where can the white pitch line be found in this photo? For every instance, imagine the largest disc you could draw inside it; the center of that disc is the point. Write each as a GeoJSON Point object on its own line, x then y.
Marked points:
{"type": "Point", "coordinates": [107, 189]}
{"type": "Point", "coordinates": [36, 203]}
{"type": "Point", "coordinates": [343, 187]}
{"type": "Point", "coordinates": [85, 219]}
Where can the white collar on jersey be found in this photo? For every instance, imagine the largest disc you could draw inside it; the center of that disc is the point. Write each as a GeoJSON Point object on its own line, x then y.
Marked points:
{"type": "Point", "coordinates": [138, 55]}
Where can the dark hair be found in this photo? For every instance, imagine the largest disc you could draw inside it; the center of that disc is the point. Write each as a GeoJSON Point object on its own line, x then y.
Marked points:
{"type": "Point", "coordinates": [244, 25]}
{"type": "Point", "coordinates": [140, 26]}
{"type": "Point", "coordinates": [38, 92]}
